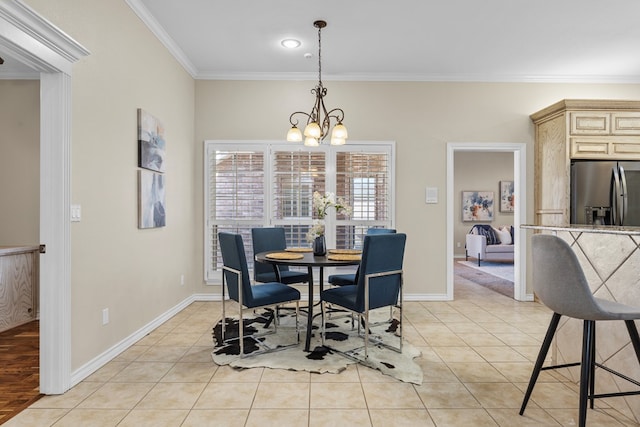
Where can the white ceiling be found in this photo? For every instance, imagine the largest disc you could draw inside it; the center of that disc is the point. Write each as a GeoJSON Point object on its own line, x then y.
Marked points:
{"type": "Point", "coordinates": [398, 40]}
{"type": "Point", "coordinates": [424, 40]}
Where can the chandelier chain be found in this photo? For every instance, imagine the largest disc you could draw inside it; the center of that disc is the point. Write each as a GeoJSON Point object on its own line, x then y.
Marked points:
{"type": "Point", "coordinates": [319, 56]}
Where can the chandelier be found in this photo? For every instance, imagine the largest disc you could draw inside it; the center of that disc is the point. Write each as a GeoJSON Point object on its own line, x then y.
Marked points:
{"type": "Point", "coordinates": [319, 119]}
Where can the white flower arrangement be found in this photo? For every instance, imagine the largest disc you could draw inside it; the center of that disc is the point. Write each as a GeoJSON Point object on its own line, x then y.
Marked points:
{"type": "Point", "coordinates": [321, 203]}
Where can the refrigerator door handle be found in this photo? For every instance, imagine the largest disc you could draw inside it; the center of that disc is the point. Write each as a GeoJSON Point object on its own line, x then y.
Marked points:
{"type": "Point", "coordinates": [623, 196]}
{"type": "Point", "coordinates": [615, 192]}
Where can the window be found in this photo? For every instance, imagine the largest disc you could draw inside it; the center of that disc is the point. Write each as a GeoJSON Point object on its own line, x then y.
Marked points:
{"type": "Point", "coordinates": [271, 185]}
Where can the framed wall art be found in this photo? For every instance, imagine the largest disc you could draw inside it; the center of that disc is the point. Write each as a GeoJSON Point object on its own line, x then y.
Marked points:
{"type": "Point", "coordinates": [151, 199]}
{"type": "Point", "coordinates": [151, 142]}
{"type": "Point", "coordinates": [477, 205]}
{"type": "Point", "coordinates": [507, 198]}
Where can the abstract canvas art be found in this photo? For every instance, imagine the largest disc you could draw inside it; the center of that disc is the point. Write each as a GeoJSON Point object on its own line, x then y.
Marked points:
{"type": "Point", "coordinates": [151, 142]}
{"type": "Point", "coordinates": [477, 205]}
{"type": "Point", "coordinates": [507, 198]}
{"type": "Point", "coordinates": [151, 199]}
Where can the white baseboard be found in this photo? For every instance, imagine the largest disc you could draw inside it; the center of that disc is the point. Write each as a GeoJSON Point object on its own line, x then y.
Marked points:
{"type": "Point", "coordinates": [93, 365]}
{"type": "Point", "coordinates": [426, 297]}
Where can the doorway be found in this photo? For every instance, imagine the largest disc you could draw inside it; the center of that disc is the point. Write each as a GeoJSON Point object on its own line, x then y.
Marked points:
{"type": "Point", "coordinates": [34, 41]}
{"type": "Point", "coordinates": [519, 180]}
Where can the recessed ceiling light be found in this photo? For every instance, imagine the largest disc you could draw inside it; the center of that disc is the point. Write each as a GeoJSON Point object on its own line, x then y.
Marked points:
{"type": "Point", "coordinates": [290, 43]}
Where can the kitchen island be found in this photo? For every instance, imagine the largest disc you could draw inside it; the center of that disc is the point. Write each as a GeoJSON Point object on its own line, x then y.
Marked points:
{"type": "Point", "coordinates": [610, 258]}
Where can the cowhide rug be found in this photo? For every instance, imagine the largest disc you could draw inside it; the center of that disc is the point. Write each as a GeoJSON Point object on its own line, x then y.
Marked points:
{"type": "Point", "coordinates": [340, 336]}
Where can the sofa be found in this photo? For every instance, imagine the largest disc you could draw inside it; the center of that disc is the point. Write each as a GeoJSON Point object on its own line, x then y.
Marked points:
{"type": "Point", "coordinates": [487, 243]}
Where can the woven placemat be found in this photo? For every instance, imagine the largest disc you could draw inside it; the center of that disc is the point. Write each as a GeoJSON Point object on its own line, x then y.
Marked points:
{"type": "Point", "coordinates": [345, 251]}
{"type": "Point", "coordinates": [299, 250]}
{"type": "Point", "coordinates": [344, 257]}
{"type": "Point", "coordinates": [284, 255]}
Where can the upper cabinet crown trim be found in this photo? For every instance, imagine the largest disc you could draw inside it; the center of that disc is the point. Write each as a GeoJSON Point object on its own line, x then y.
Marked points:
{"type": "Point", "coordinates": [583, 105]}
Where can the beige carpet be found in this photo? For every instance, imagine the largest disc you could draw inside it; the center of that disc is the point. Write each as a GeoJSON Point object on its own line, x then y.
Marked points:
{"type": "Point", "coordinates": [482, 278]}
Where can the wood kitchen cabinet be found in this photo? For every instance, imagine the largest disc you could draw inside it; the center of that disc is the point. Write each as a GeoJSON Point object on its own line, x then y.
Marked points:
{"type": "Point", "coordinates": [578, 129]}
{"type": "Point", "coordinates": [19, 276]}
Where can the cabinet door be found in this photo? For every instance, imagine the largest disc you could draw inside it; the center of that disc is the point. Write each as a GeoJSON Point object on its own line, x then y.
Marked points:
{"type": "Point", "coordinates": [589, 148]}
{"type": "Point", "coordinates": [627, 150]}
{"type": "Point", "coordinates": [626, 123]}
{"type": "Point", "coordinates": [552, 173]}
{"type": "Point", "coordinates": [605, 148]}
{"type": "Point", "coordinates": [590, 123]}
{"type": "Point", "coordinates": [16, 290]}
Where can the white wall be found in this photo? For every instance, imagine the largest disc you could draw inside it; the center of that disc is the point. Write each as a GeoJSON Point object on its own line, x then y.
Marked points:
{"type": "Point", "coordinates": [422, 117]}
{"type": "Point", "coordinates": [19, 162]}
{"type": "Point", "coordinates": [134, 273]}
{"type": "Point", "coordinates": [479, 172]}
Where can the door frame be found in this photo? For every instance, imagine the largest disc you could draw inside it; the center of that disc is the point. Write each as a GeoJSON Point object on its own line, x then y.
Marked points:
{"type": "Point", "coordinates": [519, 151]}
{"type": "Point", "coordinates": [34, 41]}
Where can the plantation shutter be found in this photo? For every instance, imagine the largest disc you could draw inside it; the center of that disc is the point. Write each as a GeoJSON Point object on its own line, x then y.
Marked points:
{"type": "Point", "coordinates": [235, 197]}
{"type": "Point", "coordinates": [265, 184]}
{"type": "Point", "coordinates": [364, 179]}
{"type": "Point", "coordinates": [295, 177]}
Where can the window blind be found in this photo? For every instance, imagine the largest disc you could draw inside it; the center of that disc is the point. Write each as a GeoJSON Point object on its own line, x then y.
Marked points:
{"type": "Point", "coordinates": [257, 184]}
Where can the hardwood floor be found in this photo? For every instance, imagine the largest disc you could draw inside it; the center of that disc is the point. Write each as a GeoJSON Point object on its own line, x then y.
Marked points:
{"type": "Point", "coordinates": [19, 369]}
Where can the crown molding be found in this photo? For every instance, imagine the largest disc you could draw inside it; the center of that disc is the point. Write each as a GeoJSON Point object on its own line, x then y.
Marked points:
{"type": "Point", "coordinates": [143, 13]}
{"type": "Point", "coordinates": [400, 77]}
{"type": "Point", "coordinates": [35, 41]}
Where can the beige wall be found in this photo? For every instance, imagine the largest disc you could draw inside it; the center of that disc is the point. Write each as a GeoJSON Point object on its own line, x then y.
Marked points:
{"type": "Point", "coordinates": [19, 162]}
{"type": "Point", "coordinates": [479, 172]}
{"type": "Point", "coordinates": [422, 117]}
{"type": "Point", "coordinates": [134, 273]}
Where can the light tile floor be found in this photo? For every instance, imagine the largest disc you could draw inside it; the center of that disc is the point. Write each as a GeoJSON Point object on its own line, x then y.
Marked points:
{"type": "Point", "coordinates": [477, 354]}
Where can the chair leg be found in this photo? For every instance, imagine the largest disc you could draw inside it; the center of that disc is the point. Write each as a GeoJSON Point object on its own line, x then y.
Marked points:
{"type": "Point", "coordinates": [542, 355]}
{"type": "Point", "coordinates": [633, 334]}
{"type": "Point", "coordinates": [366, 334]}
{"type": "Point", "coordinates": [297, 324]}
{"type": "Point", "coordinates": [592, 369]}
{"type": "Point", "coordinates": [224, 318]}
{"type": "Point", "coordinates": [585, 370]}
{"type": "Point", "coordinates": [241, 333]}
{"type": "Point", "coordinates": [324, 324]}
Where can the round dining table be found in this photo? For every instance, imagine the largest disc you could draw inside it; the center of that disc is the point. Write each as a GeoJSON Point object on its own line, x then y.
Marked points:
{"type": "Point", "coordinates": [309, 260]}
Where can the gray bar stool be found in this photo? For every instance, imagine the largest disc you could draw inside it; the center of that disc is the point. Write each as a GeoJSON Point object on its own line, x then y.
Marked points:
{"type": "Point", "coordinates": [559, 282]}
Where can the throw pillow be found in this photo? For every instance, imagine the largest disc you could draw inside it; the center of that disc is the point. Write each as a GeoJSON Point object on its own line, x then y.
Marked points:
{"type": "Point", "coordinates": [504, 235]}
{"type": "Point", "coordinates": [488, 232]}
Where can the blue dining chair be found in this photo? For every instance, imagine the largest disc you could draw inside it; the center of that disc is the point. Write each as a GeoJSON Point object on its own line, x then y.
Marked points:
{"type": "Point", "coordinates": [273, 239]}
{"type": "Point", "coordinates": [236, 278]}
{"type": "Point", "coordinates": [379, 284]}
{"type": "Point", "coordinates": [350, 278]}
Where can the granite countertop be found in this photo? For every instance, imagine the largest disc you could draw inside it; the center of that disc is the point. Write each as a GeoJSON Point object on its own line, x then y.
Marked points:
{"type": "Point", "coordinates": [583, 228]}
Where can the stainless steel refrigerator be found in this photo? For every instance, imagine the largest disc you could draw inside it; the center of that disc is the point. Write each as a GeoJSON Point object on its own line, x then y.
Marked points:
{"type": "Point", "coordinates": [605, 192]}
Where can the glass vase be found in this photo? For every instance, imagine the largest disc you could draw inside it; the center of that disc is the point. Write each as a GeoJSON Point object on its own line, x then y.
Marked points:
{"type": "Point", "coordinates": [320, 246]}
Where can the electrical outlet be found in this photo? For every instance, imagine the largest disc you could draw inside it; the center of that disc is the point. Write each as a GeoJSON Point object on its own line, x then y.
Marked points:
{"type": "Point", "coordinates": [458, 244]}
{"type": "Point", "coordinates": [182, 280]}
{"type": "Point", "coordinates": [105, 316]}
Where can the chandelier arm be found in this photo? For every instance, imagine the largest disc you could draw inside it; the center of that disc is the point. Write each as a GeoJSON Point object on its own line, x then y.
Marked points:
{"type": "Point", "coordinates": [339, 116]}
{"type": "Point", "coordinates": [296, 122]}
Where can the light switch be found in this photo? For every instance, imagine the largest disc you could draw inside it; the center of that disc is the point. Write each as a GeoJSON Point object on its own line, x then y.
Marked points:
{"type": "Point", "coordinates": [76, 213]}
{"type": "Point", "coordinates": [431, 195]}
